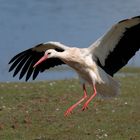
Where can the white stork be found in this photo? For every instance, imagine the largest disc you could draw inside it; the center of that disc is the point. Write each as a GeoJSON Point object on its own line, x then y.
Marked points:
{"type": "Point", "coordinates": [95, 65]}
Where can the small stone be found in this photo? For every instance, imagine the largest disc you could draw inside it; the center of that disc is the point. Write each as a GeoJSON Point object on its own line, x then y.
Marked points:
{"type": "Point", "coordinates": [125, 103]}
{"type": "Point", "coordinates": [105, 135]}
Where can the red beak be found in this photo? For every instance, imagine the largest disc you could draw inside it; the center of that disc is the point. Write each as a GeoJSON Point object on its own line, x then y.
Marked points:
{"type": "Point", "coordinates": [40, 60]}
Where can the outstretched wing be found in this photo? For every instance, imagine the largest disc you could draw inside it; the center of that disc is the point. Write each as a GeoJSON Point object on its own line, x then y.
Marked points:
{"type": "Point", "coordinates": [23, 62]}
{"type": "Point", "coordinates": [118, 45]}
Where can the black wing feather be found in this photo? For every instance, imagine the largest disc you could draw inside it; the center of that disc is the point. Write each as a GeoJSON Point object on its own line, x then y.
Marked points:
{"type": "Point", "coordinates": [25, 67]}
{"type": "Point", "coordinates": [20, 65]}
{"type": "Point", "coordinates": [17, 56]}
{"type": "Point", "coordinates": [15, 61]}
{"type": "Point", "coordinates": [30, 70]}
{"type": "Point", "coordinates": [123, 51]}
{"type": "Point", "coordinates": [36, 72]}
{"type": "Point", "coordinates": [23, 62]}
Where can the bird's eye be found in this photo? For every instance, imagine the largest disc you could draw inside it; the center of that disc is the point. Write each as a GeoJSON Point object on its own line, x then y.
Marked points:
{"type": "Point", "coordinates": [49, 53]}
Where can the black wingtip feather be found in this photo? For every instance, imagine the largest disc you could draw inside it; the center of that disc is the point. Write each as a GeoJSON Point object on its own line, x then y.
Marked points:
{"type": "Point", "coordinates": [16, 61]}
{"type": "Point", "coordinates": [30, 70]}
{"type": "Point", "coordinates": [29, 73]}
{"type": "Point", "coordinates": [35, 73]}
{"type": "Point", "coordinates": [18, 55]}
{"type": "Point", "coordinates": [20, 65]}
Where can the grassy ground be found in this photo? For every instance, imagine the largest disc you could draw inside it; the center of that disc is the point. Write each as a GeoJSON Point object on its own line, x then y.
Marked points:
{"type": "Point", "coordinates": [34, 111]}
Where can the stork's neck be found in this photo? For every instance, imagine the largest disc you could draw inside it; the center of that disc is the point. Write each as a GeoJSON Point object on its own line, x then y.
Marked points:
{"type": "Point", "coordinates": [60, 55]}
{"type": "Point", "coordinates": [70, 55]}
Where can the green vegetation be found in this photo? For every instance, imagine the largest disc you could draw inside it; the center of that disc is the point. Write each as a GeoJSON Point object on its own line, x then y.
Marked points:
{"type": "Point", "coordinates": [34, 111]}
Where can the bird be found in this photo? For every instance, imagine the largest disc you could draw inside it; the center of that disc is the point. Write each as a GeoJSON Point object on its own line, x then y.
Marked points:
{"type": "Point", "coordinates": [95, 65]}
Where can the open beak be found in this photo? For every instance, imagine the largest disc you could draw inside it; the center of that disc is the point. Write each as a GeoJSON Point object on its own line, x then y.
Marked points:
{"type": "Point", "coordinates": [40, 60]}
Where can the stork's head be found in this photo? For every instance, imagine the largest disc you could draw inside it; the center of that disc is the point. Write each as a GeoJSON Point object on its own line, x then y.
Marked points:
{"type": "Point", "coordinates": [51, 53]}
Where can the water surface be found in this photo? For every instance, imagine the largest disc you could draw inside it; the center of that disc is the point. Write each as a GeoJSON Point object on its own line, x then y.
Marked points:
{"type": "Point", "coordinates": [25, 23]}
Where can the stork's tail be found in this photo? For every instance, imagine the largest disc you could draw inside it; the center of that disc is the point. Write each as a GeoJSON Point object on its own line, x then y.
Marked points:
{"type": "Point", "coordinates": [108, 89]}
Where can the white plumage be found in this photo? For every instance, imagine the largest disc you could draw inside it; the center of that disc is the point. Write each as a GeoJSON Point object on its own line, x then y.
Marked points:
{"type": "Point", "coordinates": [95, 65]}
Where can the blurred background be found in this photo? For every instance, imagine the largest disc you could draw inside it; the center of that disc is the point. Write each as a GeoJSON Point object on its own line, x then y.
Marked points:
{"type": "Point", "coordinates": [25, 23]}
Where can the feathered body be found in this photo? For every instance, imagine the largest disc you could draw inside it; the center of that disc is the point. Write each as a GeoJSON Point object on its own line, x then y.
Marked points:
{"type": "Point", "coordinates": [81, 60]}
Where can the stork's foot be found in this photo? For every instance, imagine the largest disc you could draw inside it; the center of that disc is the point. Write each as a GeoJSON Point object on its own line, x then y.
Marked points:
{"type": "Point", "coordinates": [85, 106]}
{"type": "Point", "coordinates": [69, 111]}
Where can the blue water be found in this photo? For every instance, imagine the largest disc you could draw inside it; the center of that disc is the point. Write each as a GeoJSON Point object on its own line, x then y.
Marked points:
{"type": "Point", "coordinates": [25, 23]}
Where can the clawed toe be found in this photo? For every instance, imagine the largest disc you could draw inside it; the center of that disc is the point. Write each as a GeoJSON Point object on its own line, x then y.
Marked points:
{"type": "Point", "coordinates": [84, 107]}
{"type": "Point", "coordinates": [68, 112]}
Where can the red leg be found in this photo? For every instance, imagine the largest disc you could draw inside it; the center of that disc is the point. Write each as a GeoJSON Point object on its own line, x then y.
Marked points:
{"type": "Point", "coordinates": [69, 110]}
{"type": "Point", "coordinates": [88, 101]}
